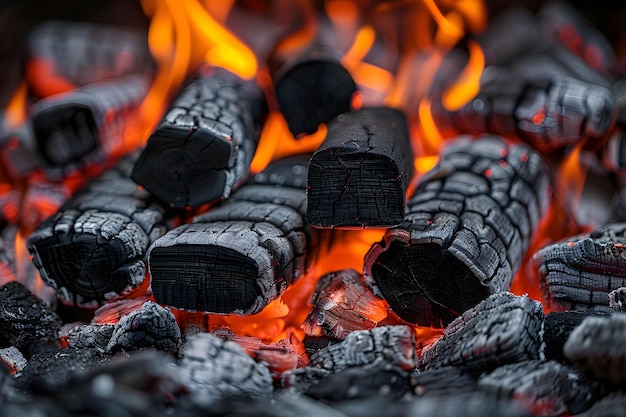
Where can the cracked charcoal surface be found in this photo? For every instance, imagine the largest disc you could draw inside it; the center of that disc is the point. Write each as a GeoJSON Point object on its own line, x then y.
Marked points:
{"type": "Point", "coordinates": [213, 369]}
{"type": "Point", "coordinates": [448, 380]}
{"type": "Point", "coordinates": [598, 347]}
{"type": "Point", "coordinates": [202, 149]}
{"type": "Point", "coordinates": [502, 329]}
{"type": "Point", "coordinates": [467, 228]}
{"type": "Point", "coordinates": [76, 128]}
{"type": "Point", "coordinates": [341, 305]}
{"type": "Point", "coordinates": [91, 336]}
{"type": "Point", "coordinates": [549, 113]}
{"type": "Point", "coordinates": [359, 176]}
{"type": "Point", "coordinates": [24, 318]}
{"type": "Point", "coordinates": [579, 273]}
{"type": "Point", "coordinates": [542, 388]}
{"type": "Point", "coordinates": [558, 326]}
{"type": "Point", "coordinates": [83, 53]}
{"type": "Point", "coordinates": [388, 344]}
{"type": "Point", "coordinates": [93, 247]}
{"type": "Point", "coordinates": [149, 326]}
{"type": "Point", "coordinates": [242, 254]}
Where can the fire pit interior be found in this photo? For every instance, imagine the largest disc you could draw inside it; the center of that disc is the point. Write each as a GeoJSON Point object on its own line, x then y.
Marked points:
{"type": "Point", "coordinates": [338, 208]}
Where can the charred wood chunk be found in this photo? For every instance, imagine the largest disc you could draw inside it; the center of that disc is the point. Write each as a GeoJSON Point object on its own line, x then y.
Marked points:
{"type": "Point", "coordinates": [65, 54]}
{"type": "Point", "coordinates": [388, 344]}
{"type": "Point", "coordinates": [363, 381]}
{"type": "Point", "coordinates": [617, 300]}
{"type": "Point", "coordinates": [579, 272]}
{"type": "Point", "coordinates": [93, 247]}
{"type": "Point", "coordinates": [449, 380]}
{"type": "Point", "coordinates": [359, 176]}
{"type": "Point", "coordinates": [542, 388]}
{"type": "Point", "coordinates": [203, 147]}
{"type": "Point", "coordinates": [149, 326]}
{"type": "Point", "coordinates": [14, 360]}
{"type": "Point", "coordinates": [86, 125]}
{"type": "Point", "coordinates": [341, 305]}
{"type": "Point", "coordinates": [213, 369]}
{"type": "Point", "coordinates": [502, 329]}
{"type": "Point", "coordinates": [557, 328]}
{"type": "Point", "coordinates": [548, 112]}
{"type": "Point", "coordinates": [465, 233]}
{"type": "Point", "coordinates": [311, 85]}
{"type": "Point", "coordinates": [238, 256]}
{"type": "Point", "coordinates": [25, 320]}
{"type": "Point", "coordinates": [610, 406]}
{"type": "Point", "coordinates": [18, 151]}
{"type": "Point", "coordinates": [597, 347]}
{"type": "Point", "coordinates": [90, 336]}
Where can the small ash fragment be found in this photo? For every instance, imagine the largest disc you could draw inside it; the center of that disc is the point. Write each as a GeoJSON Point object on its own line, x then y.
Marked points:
{"type": "Point", "coordinates": [617, 300]}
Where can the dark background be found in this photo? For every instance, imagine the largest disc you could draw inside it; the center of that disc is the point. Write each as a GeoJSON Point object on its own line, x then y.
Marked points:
{"type": "Point", "coordinates": [17, 17]}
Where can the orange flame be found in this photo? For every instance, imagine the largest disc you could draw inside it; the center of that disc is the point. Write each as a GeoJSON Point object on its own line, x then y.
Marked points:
{"type": "Point", "coordinates": [16, 112]}
{"type": "Point", "coordinates": [467, 85]}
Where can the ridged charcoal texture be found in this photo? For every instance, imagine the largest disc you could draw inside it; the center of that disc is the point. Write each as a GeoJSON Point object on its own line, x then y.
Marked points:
{"type": "Point", "coordinates": [467, 228]}
{"type": "Point", "coordinates": [203, 147]}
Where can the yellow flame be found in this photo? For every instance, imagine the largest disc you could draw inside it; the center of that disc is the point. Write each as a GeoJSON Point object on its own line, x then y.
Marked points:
{"type": "Point", "coordinates": [468, 84]}
{"type": "Point", "coordinates": [15, 112]}
{"type": "Point", "coordinates": [572, 173]}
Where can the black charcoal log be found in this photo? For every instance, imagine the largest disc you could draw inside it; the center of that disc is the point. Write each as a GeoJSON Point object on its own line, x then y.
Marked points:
{"type": "Point", "coordinates": [598, 347]}
{"type": "Point", "coordinates": [467, 228]}
{"type": "Point", "coordinates": [240, 255]}
{"type": "Point", "coordinates": [502, 329]}
{"type": "Point", "coordinates": [86, 125]}
{"type": "Point", "coordinates": [312, 86]}
{"type": "Point", "coordinates": [578, 273]}
{"type": "Point", "coordinates": [92, 249]}
{"type": "Point", "coordinates": [543, 388]}
{"type": "Point", "coordinates": [445, 381]}
{"type": "Point", "coordinates": [341, 305]}
{"type": "Point", "coordinates": [25, 320]}
{"type": "Point", "coordinates": [202, 149]}
{"type": "Point", "coordinates": [149, 326]}
{"type": "Point", "coordinates": [361, 382]}
{"type": "Point", "coordinates": [393, 345]}
{"type": "Point", "coordinates": [549, 112]}
{"type": "Point", "coordinates": [63, 54]}
{"type": "Point", "coordinates": [359, 176]}
{"type": "Point", "coordinates": [213, 369]}
{"type": "Point", "coordinates": [557, 328]}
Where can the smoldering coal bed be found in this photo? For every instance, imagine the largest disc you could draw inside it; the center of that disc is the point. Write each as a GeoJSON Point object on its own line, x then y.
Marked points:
{"type": "Point", "coordinates": [336, 212]}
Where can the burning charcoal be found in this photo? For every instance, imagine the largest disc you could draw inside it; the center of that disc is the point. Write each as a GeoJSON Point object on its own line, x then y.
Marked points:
{"type": "Point", "coordinates": [213, 369]}
{"type": "Point", "coordinates": [557, 328]}
{"type": "Point", "coordinates": [46, 372]}
{"type": "Point", "coordinates": [92, 249]}
{"type": "Point", "coordinates": [25, 320]}
{"type": "Point", "coordinates": [18, 150]}
{"type": "Point", "coordinates": [467, 228]}
{"type": "Point", "coordinates": [312, 86]}
{"type": "Point", "coordinates": [90, 336]}
{"type": "Point", "coordinates": [542, 388]}
{"type": "Point", "coordinates": [13, 359]}
{"type": "Point", "coordinates": [377, 379]}
{"type": "Point", "coordinates": [575, 31]}
{"type": "Point", "coordinates": [7, 267]}
{"type": "Point", "coordinates": [548, 112]}
{"type": "Point", "coordinates": [617, 300]}
{"type": "Point", "coordinates": [151, 325]}
{"type": "Point", "coordinates": [63, 55]}
{"type": "Point", "coordinates": [86, 125]}
{"type": "Point", "coordinates": [579, 272]}
{"type": "Point", "coordinates": [239, 256]}
{"type": "Point", "coordinates": [202, 149]}
{"type": "Point", "coordinates": [359, 176]}
{"type": "Point", "coordinates": [502, 329]}
{"type": "Point", "coordinates": [10, 203]}
{"type": "Point", "coordinates": [449, 380]}
{"type": "Point", "coordinates": [388, 344]}
{"type": "Point", "coordinates": [341, 305]}
{"type": "Point", "coordinates": [597, 346]}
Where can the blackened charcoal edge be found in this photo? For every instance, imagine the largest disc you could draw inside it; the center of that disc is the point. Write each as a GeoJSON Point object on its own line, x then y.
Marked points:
{"type": "Point", "coordinates": [242, 254]}
{"type": "Point", "coordinates": [502, 329]}
{"type": "Point", "coordinates": [578, 273]}
{"type": "Point", "coordinates": [358, 177]}
{"type": "Point", "coordinates": [467, 228]}
{"type": "Point", "coordinates": [93, 247]}
{"type": "Point", "coordinates": [202, 149]}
